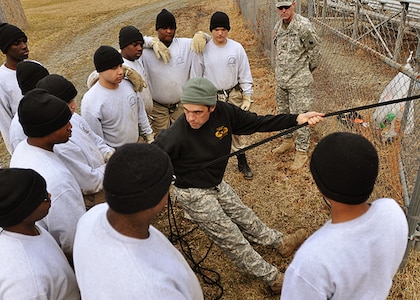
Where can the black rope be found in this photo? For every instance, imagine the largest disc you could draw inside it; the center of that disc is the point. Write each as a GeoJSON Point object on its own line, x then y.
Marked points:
{"type": "Point", "coordinates": [292, 129]}
{"type": "Point", "coordinates": [186, 250]}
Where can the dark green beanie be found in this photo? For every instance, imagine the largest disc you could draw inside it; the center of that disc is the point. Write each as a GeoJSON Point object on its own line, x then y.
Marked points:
{"type": "Point", "coordinates": [199, 91]}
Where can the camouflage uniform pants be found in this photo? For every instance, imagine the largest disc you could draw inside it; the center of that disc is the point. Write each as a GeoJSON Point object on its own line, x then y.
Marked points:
{"type": "Point", "coordinates": [235, 98]}
{"type": "Point", "coordinates": [230, 224]}
{"type": "Point", "coordinates": [163, 116]}
{"type": "Point", "coordinates": [296, 101]}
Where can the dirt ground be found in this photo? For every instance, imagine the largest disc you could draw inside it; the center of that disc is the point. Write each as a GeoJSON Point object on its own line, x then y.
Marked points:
{"type": "Point", "coordinates": [63, 36]}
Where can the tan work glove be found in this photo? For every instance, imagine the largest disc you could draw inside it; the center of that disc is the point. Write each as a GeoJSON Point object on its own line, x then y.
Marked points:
{"type": "Point", "coordinates": [135, 78]}
{"type": "Point", "coordinates": [92, 79]}
{"type": "Point", "coordinates": [149, 138]}
{"type": "Point", "coordinates": [161, 51]}
{"type": "Point", "coordinates": [199, 41]}
{"type": "Point", "coordinates": [108, 155]}
{"type": "Point", "coordinates": [246, 103]}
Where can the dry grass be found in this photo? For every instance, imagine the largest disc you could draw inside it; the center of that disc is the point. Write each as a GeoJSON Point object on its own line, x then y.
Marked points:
{"type": "Point", "coordinates": [63, 35]}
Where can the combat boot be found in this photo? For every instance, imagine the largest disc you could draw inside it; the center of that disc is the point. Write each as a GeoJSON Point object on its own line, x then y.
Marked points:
{"type": "Point", "coordinates": [300, 159]}
{"type": "Point", "coordinates": [243, 166]}
{"type": "Point", "coordinates": [291, 242]}
{"type": "Point", "coordinates": [277, 284]}
{"type": "Point", "coordinates": [286, 145]}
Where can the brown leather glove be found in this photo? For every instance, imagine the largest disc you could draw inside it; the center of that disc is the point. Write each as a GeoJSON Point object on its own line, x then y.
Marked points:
{"type": "Point", "coordinates": [108, 155]}
{"type": "Point", "coordinates": [161, 51]}
{"type": "Point", "coordinates": [149, 138]}
{"type": "Point", "coordinates": [135, 78]}
{"type": "Point", "coordinates": [199, 41]}
{"type": "Point", "coordinates": [247, 102]}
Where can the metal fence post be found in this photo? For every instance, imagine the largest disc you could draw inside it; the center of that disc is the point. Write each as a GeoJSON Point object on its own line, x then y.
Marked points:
{"type": "Point", "coordinates": [299, 6]}
{"type": "Point", "coordinates": [413, 216]}
{"type": "Point", "coordinates": [310, 8]}
{"type": "Point", "coordinates": [356, 20]}
{"type": "Point", "coordinates": [401, 27]}
{"type": "Point", "coordinates": [272, 24]}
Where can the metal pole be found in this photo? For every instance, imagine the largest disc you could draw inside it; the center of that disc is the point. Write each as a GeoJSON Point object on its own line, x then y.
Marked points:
{"type": "Point", "coordinates": [379, 36]}
{"type": "Point", "coordinates": [355, 32]}
{"type": "Point", "coordinates": [400, 36]}
{"type": "Point", "coordinates": [299, 6]}
{"type": "Point", "coordinates": [413, 218]}
{"type": "Point", "coordinates": [377, 25]}
{"type": "Point", "coordinates": [310, 8]}
{"type": "Point", "coordinates": [408, 104]}
{"type": "Point", "coordinates": [399, 67]}
{"type": "Point", "coordinates": [273, 23]}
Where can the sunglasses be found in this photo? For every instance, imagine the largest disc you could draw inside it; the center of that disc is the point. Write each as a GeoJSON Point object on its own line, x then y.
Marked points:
{"type": "Point", "coordinates": [284, 7]}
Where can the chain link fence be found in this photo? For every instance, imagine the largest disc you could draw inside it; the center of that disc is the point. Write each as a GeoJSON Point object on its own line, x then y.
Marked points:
{"type": "Point", "coordinates": [370, 55]}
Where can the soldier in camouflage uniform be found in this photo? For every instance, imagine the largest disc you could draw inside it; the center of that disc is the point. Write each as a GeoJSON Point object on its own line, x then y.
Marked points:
{"type": "Point", "coordinates": [199, 137]}
{"type": "Point", "coordinates": [298, 54]}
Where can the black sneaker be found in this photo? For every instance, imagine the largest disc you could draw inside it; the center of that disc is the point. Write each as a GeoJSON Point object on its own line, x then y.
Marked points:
{"type": "Point", "coordinates": [245, 170]}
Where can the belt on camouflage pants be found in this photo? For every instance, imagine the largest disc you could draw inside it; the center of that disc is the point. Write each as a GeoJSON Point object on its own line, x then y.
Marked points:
{"type": "Point", "coordinates": [227, 92]}
{"type": "Point", "coordinates": [170, 107]}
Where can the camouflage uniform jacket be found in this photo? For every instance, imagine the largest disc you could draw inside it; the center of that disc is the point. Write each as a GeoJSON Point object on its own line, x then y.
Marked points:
{"type": "Point", "coordinates": [298, 50]}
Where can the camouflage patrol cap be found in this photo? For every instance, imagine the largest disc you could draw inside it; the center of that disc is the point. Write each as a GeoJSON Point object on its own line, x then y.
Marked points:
{"type": "Point", "coordinates": [283, 3]}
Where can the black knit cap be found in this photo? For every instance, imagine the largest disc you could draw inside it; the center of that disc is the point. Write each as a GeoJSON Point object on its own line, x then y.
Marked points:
{"type": "Point", "coordinates": [345, 166]}
{"type": "Point", "coordinates": [58, 86]}
{"type": "Point", "coordinates": [8, 35]}
{"type": "Point", "coordinates": [28, 73]}
{"type": "Point", "coordinates": [219, 19]}
{"type": "Point", "coordinates": [137, 176]}
{"type": "Point", "coordinates": [106, 57]}
{"type": "Point", "coordinates": [165, 19]}
{"type": "Point", "coordinates": [41, 113]}
{"type": "Point", "coordinates": [21, 192]}
{"type": "Point", "coordinates": [128, 35]}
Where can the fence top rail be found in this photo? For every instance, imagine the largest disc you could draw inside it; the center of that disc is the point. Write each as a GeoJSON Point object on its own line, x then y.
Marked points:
{"type": "Point", "coordinates": [395, 3]}
{"type": "Point", "coordinates": [413, 15]}
{"type": "Point", "coordinates": [387, 5]}
{"type": "Point", "coordinates": [395, 6]}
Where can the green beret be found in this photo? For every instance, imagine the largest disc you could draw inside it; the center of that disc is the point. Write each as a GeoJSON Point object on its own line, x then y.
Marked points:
{"type": "Point", "coordinates": [199, 91]}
